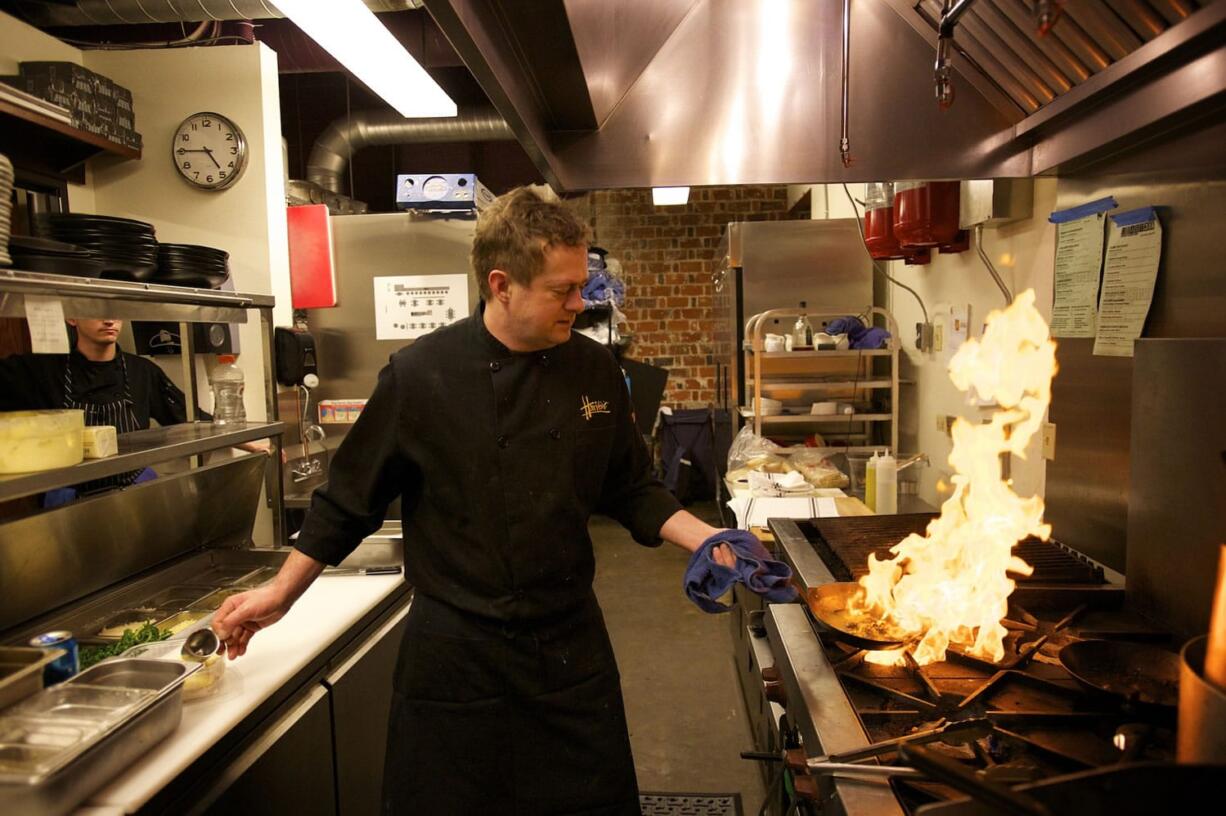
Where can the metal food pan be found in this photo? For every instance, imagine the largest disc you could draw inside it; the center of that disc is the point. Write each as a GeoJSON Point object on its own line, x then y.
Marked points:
{"type": "Point", "coordinates": [79, 771]}
{"type": "Point", "coordinates": [129, 675]}
{"type": "Point", "coordinates": [221, 575]}
{"type": "Point", "coordinates": [256, 578]}
{"type": "Point", "coordinates": [180, 622]}
{"type": "Point", "coordinates": [180, 596]}
{"type": "Point", "coordinates": [80, 703]}
{"type": "Point", "coordinates": [112, 627]}
{"type": "Point", "coordinates": [26, 742]}
{"type": "Point", "coordinates": [213, 601]}
{"type": "Point", "coordinates": [21, 671]}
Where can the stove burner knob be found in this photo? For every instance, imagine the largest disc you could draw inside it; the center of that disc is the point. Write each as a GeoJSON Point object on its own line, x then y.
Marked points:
{"type": "Point", "coordinates": [772, 686]}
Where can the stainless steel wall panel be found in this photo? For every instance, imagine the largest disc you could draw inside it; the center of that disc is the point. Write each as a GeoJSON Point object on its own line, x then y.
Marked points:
{"type": "Point", "coordinates": [1061, 57]}
{"type": "Point", "coordinates": [54, 558]}
{"type": "Point", "coordinates": [1087, 490]}
{"type": "Point", "coordinates": [1176, 518]}
{"type": "Point", "coordinates": [366, 247]}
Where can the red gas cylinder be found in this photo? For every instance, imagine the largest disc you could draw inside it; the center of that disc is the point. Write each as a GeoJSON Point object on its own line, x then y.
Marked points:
{"type": "Point", "coordinates": [925, 212]}
{"type": "Point", "coordinates": [879, 222]}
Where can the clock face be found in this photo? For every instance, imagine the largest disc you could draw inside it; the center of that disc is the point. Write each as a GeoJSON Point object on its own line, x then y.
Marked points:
{"type": "Point", "coordinates": [209, 151]}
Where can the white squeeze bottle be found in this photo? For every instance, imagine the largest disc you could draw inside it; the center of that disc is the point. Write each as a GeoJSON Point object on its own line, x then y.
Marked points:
{"type": "Point", "coordinates": [870, 483]}
{"type": "Point", "coordinates": [228, 392]}
{"type": "Point", "coordinates": [887, 485]}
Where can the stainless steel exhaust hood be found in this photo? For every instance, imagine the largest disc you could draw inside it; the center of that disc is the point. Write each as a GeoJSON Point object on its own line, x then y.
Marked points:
{"type": "Point", "coordinates": [639, 93]}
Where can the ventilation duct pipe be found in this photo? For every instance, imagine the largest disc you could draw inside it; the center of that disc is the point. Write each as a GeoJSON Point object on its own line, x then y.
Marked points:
{"type": "Point", "coordinates": [350, 134]}
{"type": "Point", "coordinates": [138, 12]}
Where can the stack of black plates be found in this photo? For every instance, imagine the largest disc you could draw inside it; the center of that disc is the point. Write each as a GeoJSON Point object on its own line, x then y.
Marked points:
{"type": "Point", "coordinates": [126, 248]}
{"type": "Point", "coordinates": [44, 255]}
{"type": "Point", "coordinates": [190, 265]}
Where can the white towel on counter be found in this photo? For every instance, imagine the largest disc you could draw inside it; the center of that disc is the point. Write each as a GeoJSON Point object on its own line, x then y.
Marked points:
{"type": "Point", "coordinates": [755, 512]}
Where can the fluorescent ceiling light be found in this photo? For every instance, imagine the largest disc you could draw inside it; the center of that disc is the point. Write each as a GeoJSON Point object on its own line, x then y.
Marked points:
{"type": "Point", "coordinates": [352, 34]}
{"type": "Point", "coordinates": [668, 196]}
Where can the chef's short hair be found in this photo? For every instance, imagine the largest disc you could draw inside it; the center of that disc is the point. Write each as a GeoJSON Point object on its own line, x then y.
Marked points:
{"type": "Point", "coordinates": [515, 230]}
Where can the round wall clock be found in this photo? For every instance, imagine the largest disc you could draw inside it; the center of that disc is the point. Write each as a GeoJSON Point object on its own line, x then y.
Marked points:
{"type": "Point", "coordinates": [209, 151]}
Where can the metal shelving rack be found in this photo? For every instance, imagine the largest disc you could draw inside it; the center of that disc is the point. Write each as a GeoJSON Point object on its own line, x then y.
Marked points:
{"type": "Point", "coordinates": [860, 381]}
{"type": "Point", "coordinates": [95, 298]}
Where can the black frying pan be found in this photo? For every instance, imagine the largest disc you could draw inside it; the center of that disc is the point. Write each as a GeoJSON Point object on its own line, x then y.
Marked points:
{"type": "Point", "coordinates": [829, 604]}
{"type": "Point", "coordinates": [1136, 672]}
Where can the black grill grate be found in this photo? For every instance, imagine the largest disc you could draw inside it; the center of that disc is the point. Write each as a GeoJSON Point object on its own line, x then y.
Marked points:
{"type": "Point", "coordinates": [690, 804]}
{"type": "Point", "coordinates": [845, 542]}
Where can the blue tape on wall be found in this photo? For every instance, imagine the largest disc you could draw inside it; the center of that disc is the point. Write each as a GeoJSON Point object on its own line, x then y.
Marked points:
{"type": "Point", "coordinates": [1083, 210]}
{"type": "Point", "coordinates": [1138, 216]}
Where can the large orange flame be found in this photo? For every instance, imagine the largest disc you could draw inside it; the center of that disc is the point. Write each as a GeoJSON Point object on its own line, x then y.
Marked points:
{"type": "Point", "coordinates": [952, 584]}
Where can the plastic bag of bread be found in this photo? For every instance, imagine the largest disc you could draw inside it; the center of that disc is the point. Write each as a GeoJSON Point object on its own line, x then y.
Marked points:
{"type": "Point", "coordinates": [818, 471]}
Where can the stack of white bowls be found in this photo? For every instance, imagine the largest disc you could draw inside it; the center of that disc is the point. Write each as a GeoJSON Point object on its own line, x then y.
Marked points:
{"type": "Point", "coordinates": [6, 207]}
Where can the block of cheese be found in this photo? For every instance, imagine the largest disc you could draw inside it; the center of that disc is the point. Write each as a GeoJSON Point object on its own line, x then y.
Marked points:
{"type": "Point", "coordinates": [101, 441]}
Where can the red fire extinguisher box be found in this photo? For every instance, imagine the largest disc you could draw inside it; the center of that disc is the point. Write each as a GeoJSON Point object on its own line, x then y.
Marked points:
{"type": "Point", "coordinates": [311, 269]}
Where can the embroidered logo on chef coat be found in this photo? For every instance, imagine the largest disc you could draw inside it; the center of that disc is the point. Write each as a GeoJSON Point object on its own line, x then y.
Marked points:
{"type": "Point", "coordinates": [589, 408]}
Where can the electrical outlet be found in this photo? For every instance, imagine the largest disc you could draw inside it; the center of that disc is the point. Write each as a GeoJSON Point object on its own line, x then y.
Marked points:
{"type": "Point", "coordinates": [938, 337]}
{"type": "Point", "coordinates": [1049, 440]}
{"type": "Point", "coordinates": [945, 423]}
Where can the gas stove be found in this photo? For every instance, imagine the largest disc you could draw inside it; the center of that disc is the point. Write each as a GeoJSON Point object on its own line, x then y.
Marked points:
{"type": "Point", "coordinates": [1021, 721]}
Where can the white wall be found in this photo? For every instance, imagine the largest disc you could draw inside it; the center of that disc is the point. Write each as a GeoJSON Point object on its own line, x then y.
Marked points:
{"type": "Point", "coordinates": [247, 219]}
{"type": "Point", "coordinates": [826, 200]}
{"type": "Point", "coordinates": [1024, 253]}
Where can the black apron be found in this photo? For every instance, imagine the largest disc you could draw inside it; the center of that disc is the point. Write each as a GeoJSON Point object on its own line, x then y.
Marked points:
{"type": "Point", "coordinates": [117, 413]}
{"type": "Point", "coordinates": [508, 719]}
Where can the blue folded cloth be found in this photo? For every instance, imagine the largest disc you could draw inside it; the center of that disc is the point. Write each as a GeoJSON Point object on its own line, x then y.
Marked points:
{"type": "Point", "coordinates": [706, 579]}
{"type": "Point", "coordinates": [858, 336]}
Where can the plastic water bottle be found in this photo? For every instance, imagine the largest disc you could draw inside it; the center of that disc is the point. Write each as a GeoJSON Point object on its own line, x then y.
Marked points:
{"type": "Point", "coordinates": [227, 382]}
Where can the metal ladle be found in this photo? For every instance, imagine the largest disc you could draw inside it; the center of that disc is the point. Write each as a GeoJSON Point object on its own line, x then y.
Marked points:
{"type": "Point", "coordinates": [200, 645]}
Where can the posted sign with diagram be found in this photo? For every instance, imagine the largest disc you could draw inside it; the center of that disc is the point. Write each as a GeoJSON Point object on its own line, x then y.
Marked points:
{"type": "Point", "coordinates": [410, 306]}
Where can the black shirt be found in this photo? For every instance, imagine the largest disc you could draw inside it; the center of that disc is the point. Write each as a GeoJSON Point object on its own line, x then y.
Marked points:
{"type": "Point", "coordinates": [500, 459]}
{"type": "Point", "coordinates": [36, 382]}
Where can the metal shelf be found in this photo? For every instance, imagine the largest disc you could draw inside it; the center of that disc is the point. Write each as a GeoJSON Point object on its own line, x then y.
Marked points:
{"type": "Point", "coordinates": [795, 355]}
{"type": "Point", "coordinates": [100, 298]}
{"type": "Point", "coordinates": [800, 419]}
{"type": "Point", "coordinates": [815, 385]}
{"type": "Point", "coordinates": [140, 449]}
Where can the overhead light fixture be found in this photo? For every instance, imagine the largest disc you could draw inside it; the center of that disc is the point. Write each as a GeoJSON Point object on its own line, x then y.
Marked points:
{"type": "Point", "coordinates": [669, 196]}
{"type": "Point", "coordinates": [351, 33]}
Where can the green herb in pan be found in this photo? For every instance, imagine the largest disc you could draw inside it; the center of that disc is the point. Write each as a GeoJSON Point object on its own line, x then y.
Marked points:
{"type": "Point", "coordinates": [147, 633]}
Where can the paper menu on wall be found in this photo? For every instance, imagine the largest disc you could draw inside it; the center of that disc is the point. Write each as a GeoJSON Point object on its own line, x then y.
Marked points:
{"type": "Point", "coordinates": [45, 320]}
{"type": "Point", "coordinates": [1134, 252]}
{"type": "Point", "coordinates": [1079, 258]}
{"type": "Point", "coordinates": [411, 306]}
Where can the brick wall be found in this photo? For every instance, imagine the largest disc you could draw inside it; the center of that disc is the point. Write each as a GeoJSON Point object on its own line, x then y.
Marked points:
{"type": "Point", "coordinates": [667, 255]}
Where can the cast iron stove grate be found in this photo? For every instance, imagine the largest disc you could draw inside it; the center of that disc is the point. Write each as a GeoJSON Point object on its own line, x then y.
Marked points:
{"type": "Point", "coordinates": [844, 544]}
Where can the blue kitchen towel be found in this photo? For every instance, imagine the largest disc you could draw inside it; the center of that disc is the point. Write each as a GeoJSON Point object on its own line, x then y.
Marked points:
{"type": "Point", "coordinates": [858, 336]}
{"type": "Point", "coordinates": [706, 579]}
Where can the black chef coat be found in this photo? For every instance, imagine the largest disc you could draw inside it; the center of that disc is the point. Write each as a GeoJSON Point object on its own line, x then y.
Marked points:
{"type": "Point", "coordinates": [506, 697]}
{"type": "Point", "coordinates": [500, 458]}
{"type": "Point", "coordinates": [36, 382]}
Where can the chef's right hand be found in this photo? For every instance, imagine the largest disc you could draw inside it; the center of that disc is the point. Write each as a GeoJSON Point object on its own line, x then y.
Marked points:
{"type": "Point", "coordinates": [242, 615]}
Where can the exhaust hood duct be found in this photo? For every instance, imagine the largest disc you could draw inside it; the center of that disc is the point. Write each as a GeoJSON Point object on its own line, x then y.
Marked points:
{"type": "Point", "coordinates": [349, 134]}
{"type": "Point", "coordinates": [137, 12]}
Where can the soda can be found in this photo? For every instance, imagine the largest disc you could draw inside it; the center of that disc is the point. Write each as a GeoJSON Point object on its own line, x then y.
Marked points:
{"type": "Point", "coordinates": [65, 665]}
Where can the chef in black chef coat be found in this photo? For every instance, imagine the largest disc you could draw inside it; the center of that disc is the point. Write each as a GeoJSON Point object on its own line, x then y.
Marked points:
{"type": "Point", "coordinates": [111, 386]}
{"type": "Point", "coordinates": [502, 433]}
